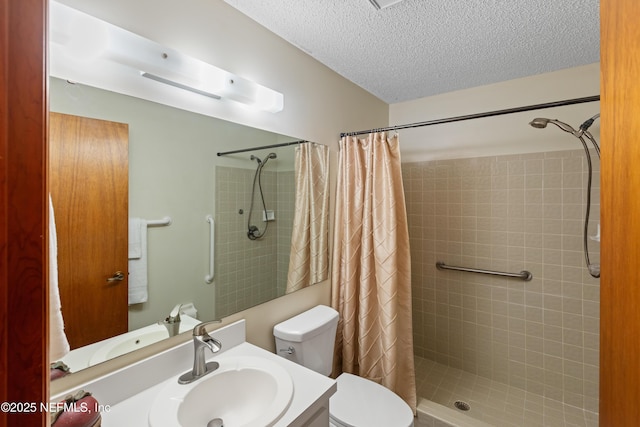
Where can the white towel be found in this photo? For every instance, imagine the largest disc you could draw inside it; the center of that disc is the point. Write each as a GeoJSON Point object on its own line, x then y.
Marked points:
{"type": "Point", "coordinates": [138, 263]}
{"type": "Point", "coordinates": [58, 343]}
{"type": "Point", "coordinates": [135, 235]}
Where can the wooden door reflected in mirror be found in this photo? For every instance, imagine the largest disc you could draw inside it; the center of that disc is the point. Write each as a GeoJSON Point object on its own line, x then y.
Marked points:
{"type": "Point", "coordinates": [89, 191]}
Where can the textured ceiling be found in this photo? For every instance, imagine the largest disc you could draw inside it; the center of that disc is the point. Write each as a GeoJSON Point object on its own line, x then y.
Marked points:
{"type": "Point", "coordinates": [418, 48]}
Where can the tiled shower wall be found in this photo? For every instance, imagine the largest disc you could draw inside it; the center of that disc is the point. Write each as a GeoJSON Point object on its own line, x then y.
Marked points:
{"type": "Point", "coordinates": [507, 213]}
{"type": "Point", "coordinates": [248, 272]}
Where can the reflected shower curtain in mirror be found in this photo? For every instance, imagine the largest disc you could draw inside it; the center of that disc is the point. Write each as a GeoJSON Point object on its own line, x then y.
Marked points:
{"type": "Point", "coordinates": [371, 275]}
{"type": "Point", "coordinates": [308, 262]}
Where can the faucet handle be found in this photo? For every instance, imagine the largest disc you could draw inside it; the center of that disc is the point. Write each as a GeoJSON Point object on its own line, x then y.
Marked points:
{"type": "Point", "coordinates": [201, 328]}
{"type": "Point", "coordinates": [174, 316]}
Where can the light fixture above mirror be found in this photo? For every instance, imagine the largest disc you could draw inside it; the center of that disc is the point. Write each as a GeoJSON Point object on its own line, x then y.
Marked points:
{"type": "Point", "coordinates": [89, 50]}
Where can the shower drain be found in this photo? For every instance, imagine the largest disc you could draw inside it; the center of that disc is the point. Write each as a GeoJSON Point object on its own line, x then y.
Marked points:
{"type": "Point", "coordinates": [463, 406]}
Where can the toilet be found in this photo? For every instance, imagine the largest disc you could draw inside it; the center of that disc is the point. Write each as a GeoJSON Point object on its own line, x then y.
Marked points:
{"type": "Point", "coordinates": [308, 339]}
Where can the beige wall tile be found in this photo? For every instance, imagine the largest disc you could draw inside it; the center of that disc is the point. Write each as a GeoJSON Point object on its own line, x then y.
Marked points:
{"type": "Point", "coordinates": [506, 213]}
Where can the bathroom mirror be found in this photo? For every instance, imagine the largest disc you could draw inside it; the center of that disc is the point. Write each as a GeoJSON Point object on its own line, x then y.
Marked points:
{"type": "Point", "coordinates": [174, 172]}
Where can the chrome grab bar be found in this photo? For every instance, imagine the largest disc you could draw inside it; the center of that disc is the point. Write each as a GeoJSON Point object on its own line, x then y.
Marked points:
{"type": "Point", "coordinates": [524, 274]}
{"type": "Point", "coordinates": [212, 237]}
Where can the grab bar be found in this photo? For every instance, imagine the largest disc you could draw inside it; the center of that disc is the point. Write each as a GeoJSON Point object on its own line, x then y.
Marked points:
{"type": "Point", "coordinates": [524, 274]}
{"type": "Point", "coordinates": [212, 232]}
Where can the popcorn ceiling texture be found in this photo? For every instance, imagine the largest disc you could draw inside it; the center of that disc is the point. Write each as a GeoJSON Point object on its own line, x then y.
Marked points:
{"type": "Point", "coordinates": [419, 48]}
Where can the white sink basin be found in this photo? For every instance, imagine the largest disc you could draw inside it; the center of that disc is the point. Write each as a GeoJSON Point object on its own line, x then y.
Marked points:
{"type": "Point", "coordinates": [136, 339]}
{"type": "Point", "coordinates": [128, 344]}
{"type": "Point", "coordinates": [244, 391]}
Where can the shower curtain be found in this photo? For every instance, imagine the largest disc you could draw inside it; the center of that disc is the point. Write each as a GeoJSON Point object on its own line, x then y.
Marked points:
{"type": "Point", "coordinates": [371, 277]}
{"type": "Point", "coordinates": [308, 262]}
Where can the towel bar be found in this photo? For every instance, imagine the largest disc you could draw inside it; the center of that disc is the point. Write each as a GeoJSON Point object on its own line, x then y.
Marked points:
{"type": "Point", "coordinates": [159, 222]}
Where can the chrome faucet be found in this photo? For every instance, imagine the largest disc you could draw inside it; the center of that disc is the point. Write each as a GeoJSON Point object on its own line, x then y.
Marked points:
{"type": "Point", "coordinates": [201, 341]}
{"type": "Point", "coordinates": [172, 322]}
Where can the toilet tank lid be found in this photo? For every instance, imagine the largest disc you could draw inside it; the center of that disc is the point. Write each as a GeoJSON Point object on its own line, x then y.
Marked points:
{"type": "Point", "coordinates": [307, 324]}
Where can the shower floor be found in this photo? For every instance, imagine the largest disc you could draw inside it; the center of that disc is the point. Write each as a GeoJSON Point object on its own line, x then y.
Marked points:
{"type": "Point", "coordinates": [491, 402]}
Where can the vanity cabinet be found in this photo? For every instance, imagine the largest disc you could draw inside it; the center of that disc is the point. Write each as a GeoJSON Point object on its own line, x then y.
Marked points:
{"type": "Point", "coordinates": [320, 418]}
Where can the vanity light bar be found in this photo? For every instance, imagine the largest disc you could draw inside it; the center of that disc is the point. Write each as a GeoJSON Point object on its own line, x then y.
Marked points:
{"type": "Point", "coordinates": [178, 85]}
{"type": "Point", "coordinates": [91, 42]}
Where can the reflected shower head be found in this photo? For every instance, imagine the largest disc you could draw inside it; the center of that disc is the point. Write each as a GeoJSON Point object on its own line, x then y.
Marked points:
{"type": "Point", "coordinates": [539, 123]}
{"type": "Point", "coordinates": [270, 156]}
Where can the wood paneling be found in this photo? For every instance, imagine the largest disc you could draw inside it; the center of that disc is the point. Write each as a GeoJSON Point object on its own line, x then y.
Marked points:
{"type": "Point", "coordinates": [88, 180]}
{"type": "Point", "coordinates": [620, 212]}
{"type": "Point", "coordinates": [24, 371]}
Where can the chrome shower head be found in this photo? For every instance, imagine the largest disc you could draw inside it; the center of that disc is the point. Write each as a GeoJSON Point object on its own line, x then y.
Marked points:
{"type": "Point", "coordinates": [270, 156]}
{"type": "Point", "coordinates": [539, 123]}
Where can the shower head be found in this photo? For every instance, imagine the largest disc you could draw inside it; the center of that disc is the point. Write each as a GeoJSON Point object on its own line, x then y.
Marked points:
{"type": "Point", "coordinates": [270, 156]}
{"type": "Point", "coordinates": [256, 159]}
{"type": "Point", "coordinates": [541, 123]}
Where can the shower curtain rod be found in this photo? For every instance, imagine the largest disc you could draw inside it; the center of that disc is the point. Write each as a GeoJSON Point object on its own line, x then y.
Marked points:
{"type": "Point", "coordinates": [479, 115]}
{"type": "Point", "coordinates": [264, 147]}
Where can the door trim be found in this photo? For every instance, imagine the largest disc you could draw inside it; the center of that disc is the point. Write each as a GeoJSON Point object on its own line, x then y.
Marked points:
{"type": "Point", "coordinates": [24, 375]}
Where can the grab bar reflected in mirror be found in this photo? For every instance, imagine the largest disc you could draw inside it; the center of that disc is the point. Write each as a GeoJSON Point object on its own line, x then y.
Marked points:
{"type": "Point", "coordinates": [212, 232]}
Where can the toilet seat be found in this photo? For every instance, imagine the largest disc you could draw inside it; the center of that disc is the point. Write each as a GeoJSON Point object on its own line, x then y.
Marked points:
{"type": "Point", "coordinates": [362, 403]}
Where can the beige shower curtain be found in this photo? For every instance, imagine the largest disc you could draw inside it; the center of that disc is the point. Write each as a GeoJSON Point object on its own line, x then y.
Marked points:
{"type": "Point", "coordinates": [308, 262]}
{"type": "Point", "coordinates": [371, 275]}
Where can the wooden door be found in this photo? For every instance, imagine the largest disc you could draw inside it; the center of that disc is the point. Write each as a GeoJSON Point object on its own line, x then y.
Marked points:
{"type": "Point", "coordinates": [620, 211]}
{"type": "Point", "coordinates": [89, 188]}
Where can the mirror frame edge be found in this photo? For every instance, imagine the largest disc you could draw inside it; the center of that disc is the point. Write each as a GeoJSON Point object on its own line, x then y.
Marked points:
{"type": "Point", "coordinates": [23, 215]}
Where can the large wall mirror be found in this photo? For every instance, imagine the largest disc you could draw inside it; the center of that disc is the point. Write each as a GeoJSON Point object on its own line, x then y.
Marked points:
{"type": "Point", "coordinates": [172, 179]}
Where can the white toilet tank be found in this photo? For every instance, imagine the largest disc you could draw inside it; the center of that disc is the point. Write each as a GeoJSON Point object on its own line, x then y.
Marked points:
{"type": "Point", "coordinates": [309, 338]}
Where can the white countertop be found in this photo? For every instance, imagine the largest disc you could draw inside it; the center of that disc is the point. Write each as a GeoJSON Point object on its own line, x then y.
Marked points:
{"type": "Point", "coordinates": [131, 391]}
